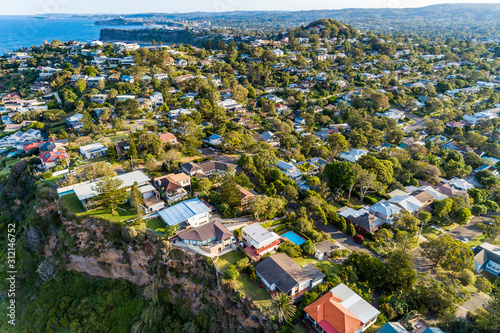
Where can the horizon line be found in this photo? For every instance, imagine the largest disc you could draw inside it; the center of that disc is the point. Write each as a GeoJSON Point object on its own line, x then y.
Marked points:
{"type": "Point", "coordinates": [257, 10]}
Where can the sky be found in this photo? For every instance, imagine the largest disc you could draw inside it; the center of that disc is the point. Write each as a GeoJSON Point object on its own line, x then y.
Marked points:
{"type": "Point", "coordinates": [30, 7]}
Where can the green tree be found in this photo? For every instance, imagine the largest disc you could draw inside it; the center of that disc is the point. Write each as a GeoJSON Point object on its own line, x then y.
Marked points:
{"type": "Point", "coordinates": [109, 193]}
{"type": "Point", "coordinates": [339, 175]}
{"type": "Point", "coordinates": [97, 170]}
{"type": "Point", "coordinates": [232, 273]}
{"type": "Point", "coordinates": [350, 231]}
{"type": "Point", "coordinates": [230, 193]}
{"type": "Point", "coordinates": [308, 247]}
{"type": "Point", "coordinates": [132, 150]}
{"type": "Point", "coordinates": [337, 143]}
{"type": "Point", "coordinates": [450, 253]}
{"type": "Point", "coordinates": [490, 230]}
{"type": "Point", "coordinates": [137, 201]}
{"type": "Point", "coordinates": [283, 307]}
{"type": "Point", "coordinates": [464, 215]}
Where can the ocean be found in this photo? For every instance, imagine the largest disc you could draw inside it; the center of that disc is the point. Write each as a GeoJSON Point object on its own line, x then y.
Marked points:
{"type": "Point", "coordinates": [19, 32]}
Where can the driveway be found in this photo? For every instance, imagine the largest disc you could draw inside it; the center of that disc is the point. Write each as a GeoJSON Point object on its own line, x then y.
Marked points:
{"type": "Point", "coordinates": [469, 230]}
{"type": "Point", "coordinates": [219, 157]}
{"type": "Point", "coordinates": [341, 238]}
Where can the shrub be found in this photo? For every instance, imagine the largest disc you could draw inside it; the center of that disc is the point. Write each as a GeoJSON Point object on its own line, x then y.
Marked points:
{"type": "Point", "coordinates": [370, 200]}
{"type": "Point", "coordinates": [358, 239]}
{"type": "Point", "coordinates": [345, 252]}
{"type": "Point", "coordinates": [231, 273]}
{"type": "Point", "coordinates": [47, 175]}
{"type": "Point", "coordinates": [467, 277]}
{"type": "Point", "coordinates": [482, 284]}
{"type": "Point", "coordinates": [492, 205]}
{"type": "Point", "coordinates": [350, 231]}
{"type": "Point", "coordinates": [336, 254]}
{"type": "Point", "coordinates": [279, 228]}
{"type": "Point", "coordinates": [479, 210]}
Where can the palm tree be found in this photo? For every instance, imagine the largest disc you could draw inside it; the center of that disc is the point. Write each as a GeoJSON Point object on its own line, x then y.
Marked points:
{"type": "Point", "coordinates": [283, 307]}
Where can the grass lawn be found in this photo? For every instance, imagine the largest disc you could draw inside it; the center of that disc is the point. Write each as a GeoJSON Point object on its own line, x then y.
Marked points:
{"type": "Point", "coordinates": [156, 224]}
{"type": "Point", "coordinates": [71, 201]}
{"type": "Point", "coordinates": [5, 172]}
{"type": "Point", "coordinates": [428, 230]}
{"type": "Point", "coordinates": [12, 162]}
{"type": "Point", "coordinates": [328, 267]}
{"type": "Point", "coordinates": [302, 261]}
{"type": "Point", "coordinates": [58, 128]}
{"type": "Point", "coordinates": [117, 137]}
{"type": "Point", "coordinates": [336, 206]}
{"type": "Point", "coordinates": [122, 213]}
{"type": "Point", "coordinates": [251, 289]}
{"type": "Point", "coordinates": [53, 180]}
{"type": "Point", "coordinates": [281, 232]}
{"type": "Point", "coordinates": [227, 259]}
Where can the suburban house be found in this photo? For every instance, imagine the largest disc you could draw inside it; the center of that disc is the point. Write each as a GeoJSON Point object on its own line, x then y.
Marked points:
{"type": "Point", "coordinates": [99, 98]}
{"type": "Point", "coordinates": [207, 168]}
{"type": "Point", "coordinates": [85, 191]}
{"type": "Point", "coordinates": [170, 189]}
{"type": "Point", "coordinates": [212, 237]}
{"type": "Point", "coordinates": [407, 202]}
{"type": "Point", "coordinates": [384, 210]}
{"type": "Point", "coordinates": [290, 170]}
{"type": "Point", "coordinates": [122, 147]}
{"type": "Point", "coordinates": [352, 155]}
{"type": "Point", "coordinates": [324, 249]}
{"type": "Point", "coordinates": [50, 158]}
{"type": "Point", "coordinates": [20, 139]}
{"type": "Point", "coordinates": [341, 310]}
{"type": "Point", "coordinates": [151, 198]}
{"type": "Point", "coordinates": [362, 219]}
{"type": "Point", "coordinates": [214, 140]}
{"type": "Point", "coordinates": [246, 197]}
{"type": "Point", "coordinates": [168, 138]}
{"type": "Point", "coordinates": [270, 138]}
{"type": "Point", "coordinates": [93, 150]}
{"type": "Point", "coordinates": [392, 327]}
{"type": "Point", "coordinates": [487, 258]}
{"type": "Point", "coordinates": [186, 214]}
{"type": "Point", "coordinates": [259, 240]}
{"type": "Point", "coordinates": [279, 273]}
{"type": "Point", "coordinates": [191, 169]}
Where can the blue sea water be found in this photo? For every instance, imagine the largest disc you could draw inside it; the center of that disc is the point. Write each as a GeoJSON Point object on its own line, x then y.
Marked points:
{"type": "Point", "coordinates": [16, 32]}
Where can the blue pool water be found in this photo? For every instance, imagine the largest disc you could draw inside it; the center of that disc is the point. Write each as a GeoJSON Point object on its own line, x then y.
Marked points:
{"type": "Point", "coordinates": [294, 238]}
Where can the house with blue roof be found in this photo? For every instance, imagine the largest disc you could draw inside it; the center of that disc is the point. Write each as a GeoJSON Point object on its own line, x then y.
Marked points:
{"type": "Point", "coordinates": [214, 140]}
{"type": "Point", "coordinates": [290, 170]}
{"type": "Point", "coordinates": [393, 327]}
{"type": "Point", "coordinates": [127, 79]}
{"type": "Point", "coordinates": [190, 213]}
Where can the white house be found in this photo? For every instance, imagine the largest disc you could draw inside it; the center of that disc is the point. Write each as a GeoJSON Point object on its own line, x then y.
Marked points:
{"type": "Point", "coordinates": [259, 240]}
{"type": "Point", "coordinates": [93, 150]}
{"type": "Point", "coordinates": [352, 155]}
{"type": "Point", "coordinates": [290, 170]}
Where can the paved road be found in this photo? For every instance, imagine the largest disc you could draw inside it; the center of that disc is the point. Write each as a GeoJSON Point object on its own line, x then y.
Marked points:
{"type": "Point", "coordinates": [419, 123]}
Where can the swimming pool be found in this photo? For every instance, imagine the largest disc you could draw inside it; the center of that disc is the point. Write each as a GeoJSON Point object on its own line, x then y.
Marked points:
{"type": "Point", "coordinates": [294, 238]}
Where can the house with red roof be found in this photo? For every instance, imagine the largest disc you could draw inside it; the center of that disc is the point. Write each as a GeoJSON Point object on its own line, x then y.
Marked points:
{"type": "Point", "coordinates": [168, 138]}
{"type": "Point", "coordinates": [50, 158]}
{"type": "Point", "coordinates": [341, 310]}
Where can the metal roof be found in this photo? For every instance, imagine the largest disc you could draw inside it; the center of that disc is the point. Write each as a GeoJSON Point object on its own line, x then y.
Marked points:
{"type": "Point", "coordinates": [86, 191]}
{"type": "Point", "coordinates": [363, 310]}
{"type": "Point", "coordinates": [182, 211]}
